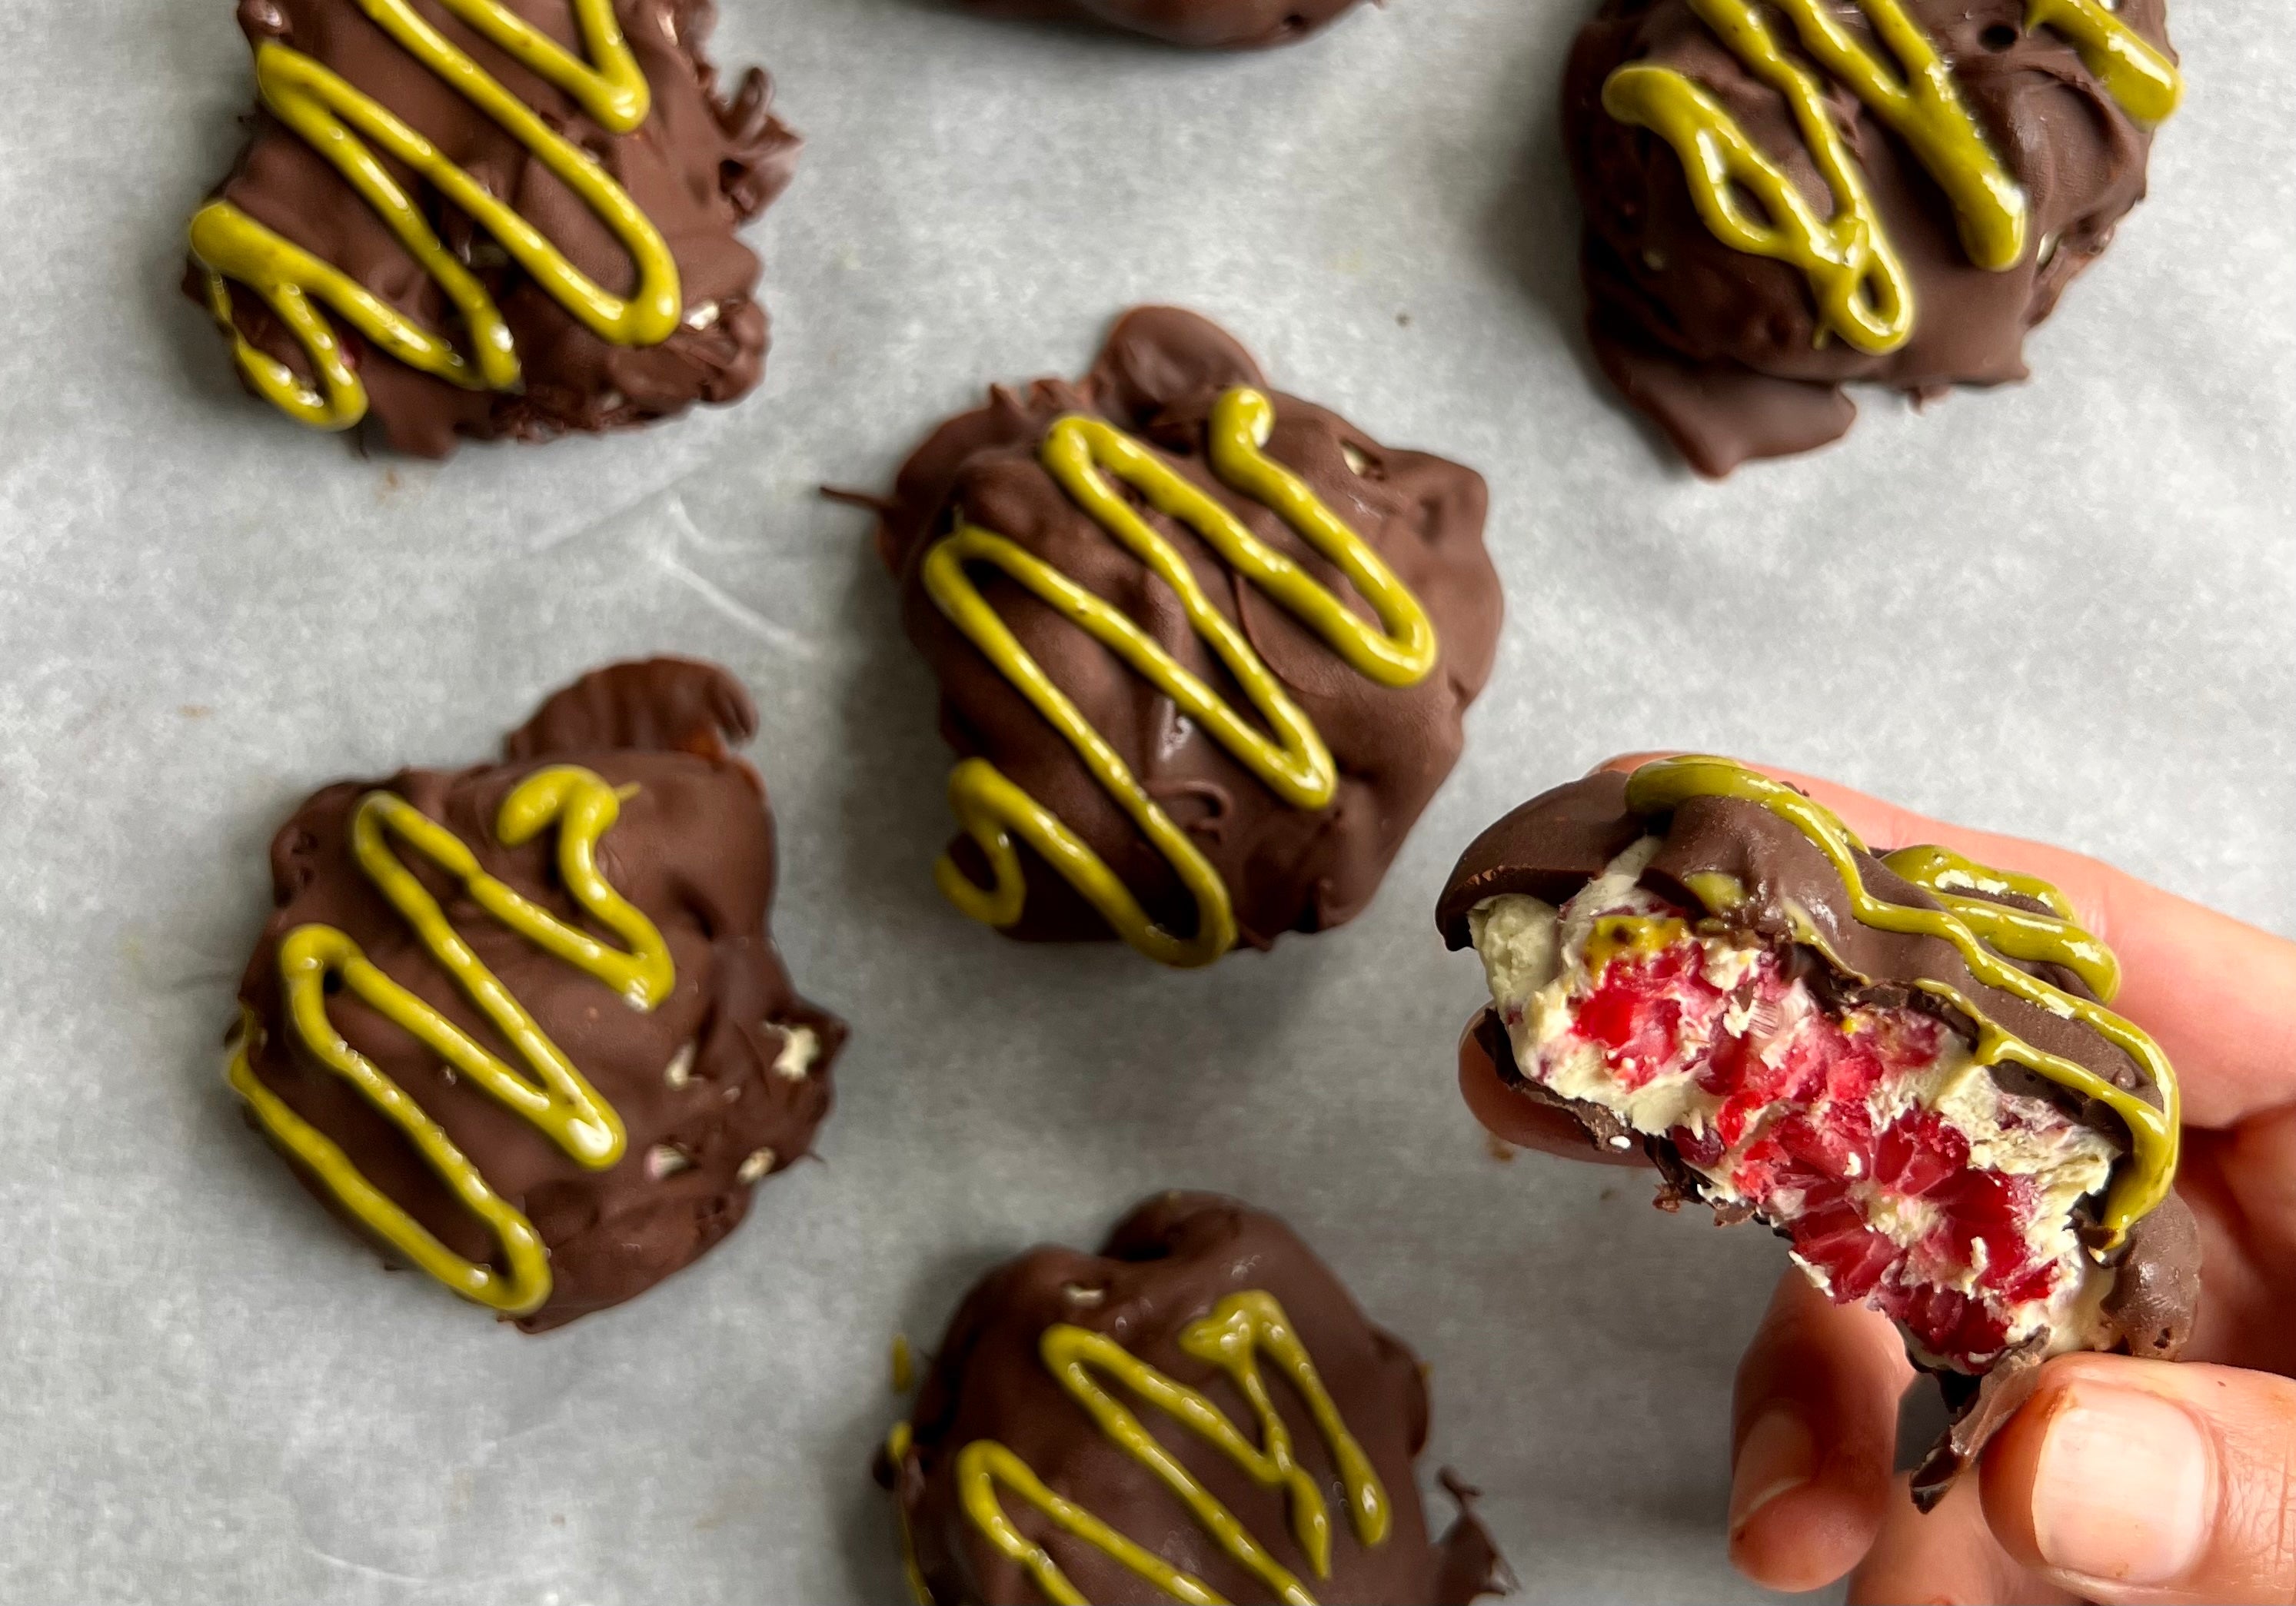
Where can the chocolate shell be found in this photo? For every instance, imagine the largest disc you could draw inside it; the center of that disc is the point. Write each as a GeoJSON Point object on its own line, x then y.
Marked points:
{"type": "Point", "coordinates": [1557, 843]}
{"type": "Point", "coordinates": [1199, 24]}
{"type": "Point", "coordinates": [1724, 349]}
{"type": "Point", "coordinates": [1285, 868]}
{"type": "Point", "coordinates": [721, 1083]}
{"type": "Point", "coordinates": [1163, 1271]}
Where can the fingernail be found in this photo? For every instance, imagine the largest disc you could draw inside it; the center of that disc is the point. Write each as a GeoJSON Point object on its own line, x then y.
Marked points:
{"type": "Point", "coordinates": [1779, 1455]}
{"type": "Point", "coordinates": [2122, 1490]}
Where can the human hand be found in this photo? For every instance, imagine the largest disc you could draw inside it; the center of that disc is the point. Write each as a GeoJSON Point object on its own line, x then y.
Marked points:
{"type": "Point", "coordinates": [2120, 1479]}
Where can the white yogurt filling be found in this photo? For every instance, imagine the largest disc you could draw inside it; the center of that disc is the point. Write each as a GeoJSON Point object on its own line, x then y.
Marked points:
{"type": "Point", "coordinates": [1535, 960]}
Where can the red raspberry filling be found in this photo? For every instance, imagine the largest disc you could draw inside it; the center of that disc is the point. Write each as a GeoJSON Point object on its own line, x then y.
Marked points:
{"type": "Point", "coordinates": [1795, 1135]}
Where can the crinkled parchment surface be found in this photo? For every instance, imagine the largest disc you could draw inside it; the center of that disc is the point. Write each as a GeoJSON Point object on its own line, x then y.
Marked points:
{"type": "Point", "coordinates": [2063, 609]}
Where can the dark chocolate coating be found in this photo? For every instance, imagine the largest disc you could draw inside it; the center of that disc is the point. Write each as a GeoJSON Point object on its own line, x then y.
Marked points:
{"type": "Point", "coordinates": [1200, 24]}
{"type": "Point", "coordinates": [1545, 847]}
{"type": "Point", "coordinates": [693, 850]}
{"type": "Point", "coordinates": [1720, 347]}
{"type": "Point", "coordinates": [1557, 842]}
{"type": "Point", "coordinates": [700, 166]}
{"type": "Point", "coordinates": [1166, 1265]}
{"type": "Point", "coordinates": [1286, 869]}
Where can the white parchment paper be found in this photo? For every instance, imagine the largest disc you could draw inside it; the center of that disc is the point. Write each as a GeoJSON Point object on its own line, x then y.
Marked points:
{"type": "Point", "coordinates": [2063, 609]}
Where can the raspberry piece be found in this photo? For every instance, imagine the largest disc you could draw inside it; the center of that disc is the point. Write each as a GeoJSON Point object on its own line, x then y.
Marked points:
{"type": "Point", "coordinates": [1638, 1006]}
{"type": "Point", "coordinates": [1835, 1239]}
{"type": "Point", "coordinates": [1918, 1154]}
{"type": "Point", "coordinates": [1948, 1322]}
{"type": "Point", "coordinates": [1835, 1141]}
{"type": "Point", "coordinates": [1638, 1034]}
{"type": "Point", "coordinates": [1988, 1208]}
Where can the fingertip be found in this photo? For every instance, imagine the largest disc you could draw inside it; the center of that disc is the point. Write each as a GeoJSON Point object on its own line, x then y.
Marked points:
{"type": "Point", "coordinates": [1512, 1116]}
{"type": "Point", "coordinates": [1817, 1416]}
{"type": "Point", "coordinates": [1479, 1082]}
{"type": "Point", "coordinates": [1504, 1113]}
{"type": "Point", "coordinates": [2012, 1462]}
{"type": "Point", "coordinates": [1805, 1537]}
{"type": "Point", "coordinates": [2122, 1477]}
{"type": "Point", "coordinates": [2014, 1476]}
{"type": "Point", "coordinates": [1944, 1556]}
{"type": "Point", "coordinates": [1844, 1366]}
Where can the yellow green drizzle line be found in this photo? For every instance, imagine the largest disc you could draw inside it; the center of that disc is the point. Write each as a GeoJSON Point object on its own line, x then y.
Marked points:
{"type": "Point", "coordinates": [1983, 934]}
{"type": "Point", "coordinates": [2055, 937]}
{"type": "Point", "coordinates": [1859, 283]}
{"type": "Point", "coordinates": [338, 121]}
{"type": "Point", "coordinates": [897, 1455]}
{"type": "Point", "coordinates": [2140, 76]}
{"type": "Point", "coordinates": [1633, 937]}
{"type": "Point", "coordinates": [1239, 1330]}
{"type": "Point", "coordinates": [1293, 761]}
{"type": "Point", "coordinates": [563, 1106]}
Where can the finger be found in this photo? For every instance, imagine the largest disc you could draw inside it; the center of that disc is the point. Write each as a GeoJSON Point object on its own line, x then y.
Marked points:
{"type": "Point", "coordinates": [2210, 990]}
{"type": "Point", "coordinates": [1521, 1120]}
{"type": "Point", "coordinates": [1948, 1556]}
{"type": "Point", "coordinates": [2240, 1186]}
{"type": "Point", "coordinates": [2131, 1480]}
{"type": "Point", "coordinates": [1815, 1429]}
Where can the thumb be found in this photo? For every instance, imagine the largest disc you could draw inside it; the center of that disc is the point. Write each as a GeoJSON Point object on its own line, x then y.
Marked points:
{"type": "Point", "coordinates": [2130, 1480]}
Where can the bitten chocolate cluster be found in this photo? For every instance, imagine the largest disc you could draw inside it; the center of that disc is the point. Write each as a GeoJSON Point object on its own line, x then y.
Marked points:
{"type": "Point", "coordinates": [1902, 1062]}
{"type": "Point", "coordinates": [523, 1025]}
